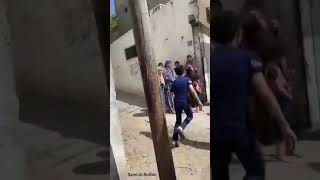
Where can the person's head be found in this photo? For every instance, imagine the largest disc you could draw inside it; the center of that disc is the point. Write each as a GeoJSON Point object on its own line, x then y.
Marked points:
{"type": "Point", "coordinates": [255, 21]}
{"type": "Point", "coordinates": [195, 77]}
{"type": "Point", "coordinates": [261, 19]}
{"type": "Point", "coordinates": [177, 63]}
{"type": "Point", "coordinates": [259, 39]}
{"type": "Point", "coordinates": [160, 64]}
{"type": "Point", "coordinates": [275, 26]}
{"type": "Point", "coordinates": [189, 71]}
{"type": "Point", "coordinates": [189, 60]}
{"type": "Point", "coordinates": [250, 30]}
{"type": "Point", "coordinates": [227, 28]}
{"type": "Point", "coordinates": [168, 64]}
{"type": "Point", "coordinates": [179, 70]}
{"type": "Point", "coordinates": [160, 70]}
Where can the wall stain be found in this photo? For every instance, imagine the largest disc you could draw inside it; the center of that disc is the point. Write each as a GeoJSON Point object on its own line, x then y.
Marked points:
{"type": "Point", "coordinates": [135, 70]}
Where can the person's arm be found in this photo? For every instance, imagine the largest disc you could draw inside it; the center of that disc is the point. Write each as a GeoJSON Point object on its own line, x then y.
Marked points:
{"type": "Point", "coordinates": [165, 76]}
{"type": "Point", "coordinates": [270, 102]}
{"type": "Point", "coordinates": [280, 83]}
{"type": "Point", "coordinates": [283, 89]}
{"type": "Point", "coordinates": [172, 88]}
{"type": "Point", "coordinates": [193, 92]}
{"type": "Point", "coordinates": [266, 96]}
{"type": "Point", "coordinates": [162, 80]}
{"type": "Point", "coordinates": [196, 87]}
{"type": "Point", "coordinates": [174, 74]}
{"type": "Point", "coordinates": [284, 67]}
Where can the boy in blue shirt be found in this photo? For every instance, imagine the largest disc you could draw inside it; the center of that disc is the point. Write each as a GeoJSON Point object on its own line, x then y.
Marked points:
{"type": "Point", "coordinates": [237, 75]}
{"type": "Point", "coordinates": [181, 88]}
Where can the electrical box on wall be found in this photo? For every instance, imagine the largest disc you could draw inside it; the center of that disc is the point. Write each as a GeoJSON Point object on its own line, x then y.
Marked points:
{"type": "Point", "coordinates": [193, 20]}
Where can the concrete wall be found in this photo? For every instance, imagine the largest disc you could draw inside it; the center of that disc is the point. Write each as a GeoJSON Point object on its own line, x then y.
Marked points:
{"type": "Point", "coordinates": [57, 52]}
{"type": "Point", "coordinates": [171, 31]}
{"type": "Point", "coordinates": [203, 5]}
{"type": "Point", "coordinates": [313, 65]}
{"type": "Point", "coordinates": [153, 3]}
{"type": "Point", "coordinates": [311, 68]}
{"type": "Point", "coordinates": [126, 73]}
{"type": "Point", "coordinates": [13, 161]}
{"type": "Point", "coordinates": [125, 16]}
{"type": "Point", "coordinates": [234, 5]}
{"type": "Point", "coordinates": [118, 163]}
{"type": "Point", "coordinates": [206, 41]}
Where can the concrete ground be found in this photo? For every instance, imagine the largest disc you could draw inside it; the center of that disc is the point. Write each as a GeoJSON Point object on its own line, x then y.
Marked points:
{"type": "Point", "coordinates": [63, 141]}
{"type": "Point", "coordinates": [304, 166]}
{"type": "Point", "coordinates": [191, 159]}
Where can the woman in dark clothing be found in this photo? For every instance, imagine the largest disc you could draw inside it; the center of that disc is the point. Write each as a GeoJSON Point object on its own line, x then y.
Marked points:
{"type": "Point", "coordinates": [261, 37]}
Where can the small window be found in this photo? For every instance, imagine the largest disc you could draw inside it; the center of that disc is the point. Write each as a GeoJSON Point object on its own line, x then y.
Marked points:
{"type": "Point", "coordinates": [131, 52]}
{"type": "Point", "coordinates": [208, 14]}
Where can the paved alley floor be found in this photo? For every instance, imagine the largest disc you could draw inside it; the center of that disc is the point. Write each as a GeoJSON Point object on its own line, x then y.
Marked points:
{"type": "Point", "coordinates": [191, 159]}
{"type": "Point", "coordinates": [67, 142]}
{"type": "Point", "coordinates": [63, 141]}
{"type": "Point", "coordinates": [304, 166]}
{"type": "Point", "coordinates": [51, 156]}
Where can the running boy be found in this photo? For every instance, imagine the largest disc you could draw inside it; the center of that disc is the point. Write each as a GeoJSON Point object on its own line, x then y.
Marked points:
{"type": "Point", "coordinates": [181, 87]}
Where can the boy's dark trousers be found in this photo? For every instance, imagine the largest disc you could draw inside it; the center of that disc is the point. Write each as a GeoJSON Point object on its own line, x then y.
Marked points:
{"type": "Point", "coordinates": [247, 151]}
{"type": "Point", "coordinates": [179, 107]}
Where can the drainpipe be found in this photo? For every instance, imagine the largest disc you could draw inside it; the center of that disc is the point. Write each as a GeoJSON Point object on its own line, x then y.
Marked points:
{"type": "Point", "coordinates": [198, 46]}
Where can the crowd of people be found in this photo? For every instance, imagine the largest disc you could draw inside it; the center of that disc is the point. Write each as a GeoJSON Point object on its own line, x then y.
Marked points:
{"type": "Point", "coordinates": [250, 72]}
{"type": "Point", "coordinates": [180, 91]}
